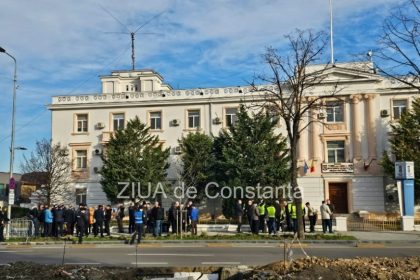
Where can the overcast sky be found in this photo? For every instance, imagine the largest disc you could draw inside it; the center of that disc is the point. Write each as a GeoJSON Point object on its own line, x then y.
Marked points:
{"type": "Point", "coordinates": [63, 46]}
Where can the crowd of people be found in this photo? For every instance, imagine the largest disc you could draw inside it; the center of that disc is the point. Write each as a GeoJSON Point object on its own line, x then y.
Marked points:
{"type": "Point", "coordinates": [276, 216]}
{"type": "Point", "coordinates": [272, 217]}
{"type": "Point", "coordinates": [60, 220]}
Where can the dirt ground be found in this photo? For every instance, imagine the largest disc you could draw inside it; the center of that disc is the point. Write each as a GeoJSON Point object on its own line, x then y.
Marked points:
{"type": "Point", "coordinates": [314, 268]}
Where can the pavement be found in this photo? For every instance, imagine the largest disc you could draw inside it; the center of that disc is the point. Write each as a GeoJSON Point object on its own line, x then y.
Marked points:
{"type": "Point", "coordinates": [188, 255]}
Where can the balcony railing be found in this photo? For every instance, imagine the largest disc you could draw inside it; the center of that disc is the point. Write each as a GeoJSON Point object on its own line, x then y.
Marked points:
{"type": "Point", "coordinates": [343, 167]}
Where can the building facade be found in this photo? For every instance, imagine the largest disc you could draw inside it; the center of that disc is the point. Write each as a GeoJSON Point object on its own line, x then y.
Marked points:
{"type": "Point", "coordinates": [339, 149]}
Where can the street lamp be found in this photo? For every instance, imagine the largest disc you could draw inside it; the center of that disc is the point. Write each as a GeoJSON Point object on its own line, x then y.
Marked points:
{"type": "Point", "coordinates": [12, 141]}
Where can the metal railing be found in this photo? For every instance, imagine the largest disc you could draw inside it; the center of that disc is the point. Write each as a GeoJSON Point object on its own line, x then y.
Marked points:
{"type": "Point", "coordinates": [374, 224]}
{"type": "Point", "coordinates": [21, 228]}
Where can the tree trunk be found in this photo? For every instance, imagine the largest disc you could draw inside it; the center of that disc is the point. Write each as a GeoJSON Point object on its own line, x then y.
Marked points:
{"type": "Point", "coordinates": [297, 194]}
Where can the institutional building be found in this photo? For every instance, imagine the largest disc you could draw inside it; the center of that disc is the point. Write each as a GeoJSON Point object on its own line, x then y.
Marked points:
{"type": "Point", "coordinates": [339, 153]}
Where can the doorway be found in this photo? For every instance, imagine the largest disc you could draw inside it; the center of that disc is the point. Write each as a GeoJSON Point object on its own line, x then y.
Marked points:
{"type": "Point", "coordinates": [338, 196]}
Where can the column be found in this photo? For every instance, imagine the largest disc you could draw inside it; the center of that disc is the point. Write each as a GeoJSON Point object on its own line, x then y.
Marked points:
{"type": "Point", "coordinates": [303, 139]}
{"type": "Point", "coordinates": [356, 113]}
{"type": "Point", "coordinates": [371, 127]}
{"type": "Point", "coordinates": [316, 147]}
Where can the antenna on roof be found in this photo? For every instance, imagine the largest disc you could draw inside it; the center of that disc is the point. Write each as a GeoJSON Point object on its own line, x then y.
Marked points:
{"type": "Point", "coordinates": [331, 33]}
{"type": "Point", "coordinates": [133, 33]}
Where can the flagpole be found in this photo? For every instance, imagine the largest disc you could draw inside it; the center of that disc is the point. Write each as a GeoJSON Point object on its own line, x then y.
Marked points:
{"type": "Point", "coordinates": [331, 33]}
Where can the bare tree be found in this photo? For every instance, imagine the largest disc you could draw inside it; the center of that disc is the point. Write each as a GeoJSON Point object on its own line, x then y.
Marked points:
{"type": "Point", "coordinates": [51, 162]}
{"type": "Point", "coordinates": [400, 44]}
{"type": "Point", "coordinates": [292, 79]}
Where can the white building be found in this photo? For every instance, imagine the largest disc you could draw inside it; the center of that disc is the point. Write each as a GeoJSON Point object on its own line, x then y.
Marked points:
{"type": "Point", "coordinates": [342, 153]}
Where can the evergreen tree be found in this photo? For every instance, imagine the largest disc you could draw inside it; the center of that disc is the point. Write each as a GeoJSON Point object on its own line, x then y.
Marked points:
{"type": "Point", "coordinates": [197, 161]}
{"type": "Point", "coordinates": [133, 155]}
{"type": "Point", "coordinates": [251, 153]}
{"type": "Point", "coordinates": [405, 144]}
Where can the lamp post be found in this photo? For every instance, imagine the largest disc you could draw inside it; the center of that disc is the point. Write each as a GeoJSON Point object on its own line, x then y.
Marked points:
{"type": "Point", "coordinates": [12, 141]}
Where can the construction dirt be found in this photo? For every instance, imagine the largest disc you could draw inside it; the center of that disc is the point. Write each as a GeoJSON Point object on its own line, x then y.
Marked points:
{"type": "Point", "coordinates": [314, 268]}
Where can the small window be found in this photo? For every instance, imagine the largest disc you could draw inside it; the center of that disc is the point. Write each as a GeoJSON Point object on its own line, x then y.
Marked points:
{"type": "Point", "coordinates": [335, 111]}
{"type": "Point", "coordinates": [126, 88]}
{"type": "Point", "coordinates": [335, 151]}
{"type": "Point", "coordinates": [81, 195]}
{"type": "Point", "coordinates": [118, 121]}
{"type": "Point", "coordinates": [194, 119]}
{"type": "Point", "coordinates": [399, 107]}
{"type": "Point", "coordinates": [82, 123]}
{"type": "Point", "coordinates": [155, 120]}
{"type": "Point", "coordinates": [231, 117]}
{"type": "Point", "coordinates": [136, 88]}
{"type": "Point", "coordinates": [81, 159]}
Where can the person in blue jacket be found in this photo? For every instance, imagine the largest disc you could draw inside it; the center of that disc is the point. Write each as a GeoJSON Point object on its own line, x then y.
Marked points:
{"type": "Point", "coordinates": [139, 219]}
{"type": "Point", "coordinates": [194, 219]}
{"type": "Point", "coordinates": [48, 220]}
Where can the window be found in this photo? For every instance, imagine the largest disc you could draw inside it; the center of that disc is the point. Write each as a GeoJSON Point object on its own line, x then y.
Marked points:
{"type": "Point", "coordinates": [273, 114]}
{"type": "Point", "coordinates": [194, 119]}
{"type": "Point", "coordinates": [335, 151]}
{"type": "Point", "coordinates": [398, 108]}
{"type": "Point", "coordinates": [155, 120]}
{"type": "Point", "coordinates": [81, 159]}
{"type": "Point", "coordinates": [335, 111]}
{"type": "Point", "coordinates": [126, 88]}
{"type": "Point", "coordinates": [118, 121]}
{"type": "Point", "coordinates": [82, 123]}
{"type": "Point", "coordinates": [2, 190]}
{"type": "Point", "coordinates": [81, 195]}
{"type": "Point", "coordinates": [231, 117]}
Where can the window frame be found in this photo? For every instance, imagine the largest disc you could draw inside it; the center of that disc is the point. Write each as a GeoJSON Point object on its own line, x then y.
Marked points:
{"type": "Point", "coordinates": [82, 195]}
{"type": "Point", "coordinates": [401, 109]}
{"type": "Point", "coordinates": [83, 159]}
{"type": "Point", "coordinates": [232, 118]}
{"type": "Point", "coordinates": [194, 119]}
{"type": "Point", "coordinates": [79, 123]}
{"type": "Point", "coordinates": [338, 105]}
{"type": "Point", "coordinates": [153, 120]}
{"type": "Point", "coordinates": [113, 119]}
{"type": "Point", "coordinates": [336, 156]}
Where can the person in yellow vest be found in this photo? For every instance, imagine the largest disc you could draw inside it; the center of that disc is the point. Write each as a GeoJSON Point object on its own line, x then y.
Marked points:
{"type": "Point", "coordinates": [271, 223]}
{"type": "Point", "coordinates": [262, 214]}
{"type": "Point", "coordinates": [294, 217]}
{"type": "Point", "coordinates": [289, 221]}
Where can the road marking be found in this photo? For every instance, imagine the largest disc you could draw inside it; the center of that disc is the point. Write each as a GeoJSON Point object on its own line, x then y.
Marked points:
{"type": "Point", "coordinates": [184, 255]}
{"type": "Point", "coordinates": [8, 251]}
{"type": "Point", "coordinates": [86, 263]}
{"type": "Point", "coordinates": [150, 263]}
{"type": "Point", "coordinates": [221, 263]}
{"type": "Point", "coordinates": [183, 246]}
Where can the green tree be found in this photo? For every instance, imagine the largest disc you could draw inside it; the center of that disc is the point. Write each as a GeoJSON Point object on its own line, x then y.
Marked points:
{"type": "Point", "coordinates": [405, 144]}
{"type": "Point", "coordinates": [197, 161]}
{"type": "Point", "coordinates": [250, 153]}
{"type": "Point", "coordinates": [133, 155]}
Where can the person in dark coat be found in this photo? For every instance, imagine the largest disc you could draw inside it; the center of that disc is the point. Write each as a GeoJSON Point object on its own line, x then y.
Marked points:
{"type": "Point", "coordinates": [108, 217]}
{"type": "Point", "coordinates": [99, 217]}
{"type": "Point", "coordinates": [82, 221]}
{"type": "Point", "coordinates": [33, 216]}
{"type": "Point", "coordinates": [69, 220]}
{"type": "Point", "coordinates": [41, 219]}
{"type": "Point", "coordinates": [248, 210]}
{"type": "Point", "coordinates": [173, 216]}
{"type": "Point", "coordinates": [3, 220]}
{"type": "Point", "coordinates": [279, 215]}
{"type": "Point", "coordinates": [131, 219]}
{"type": "Point", "coordinates": [239, 212]}
{"type": "Point", "coordinates": [120, 217]}
{"type": "Point", "coordinates": [158, 214]}
{"type": "Point", "coordinates": [58, 221]}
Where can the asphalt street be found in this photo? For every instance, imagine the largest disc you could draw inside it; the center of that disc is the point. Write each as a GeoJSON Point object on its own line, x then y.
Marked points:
{"type": "Point", "coordinates": [190, 254]}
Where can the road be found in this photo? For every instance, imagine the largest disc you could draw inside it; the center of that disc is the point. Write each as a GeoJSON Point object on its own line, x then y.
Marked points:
{"type": "Point", "coordinates": [189, 254]}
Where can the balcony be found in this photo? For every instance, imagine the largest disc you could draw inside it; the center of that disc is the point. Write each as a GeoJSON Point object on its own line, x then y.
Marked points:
{"type": "Point", "coordinates": [338, 167]}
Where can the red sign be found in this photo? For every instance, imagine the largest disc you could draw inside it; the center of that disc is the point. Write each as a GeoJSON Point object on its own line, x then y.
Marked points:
{"type": "Point", "coordinates": [12, 184]}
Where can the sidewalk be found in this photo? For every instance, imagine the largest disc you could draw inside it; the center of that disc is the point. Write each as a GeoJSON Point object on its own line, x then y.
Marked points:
{"type": "Point", "coordinates": [385, 236]}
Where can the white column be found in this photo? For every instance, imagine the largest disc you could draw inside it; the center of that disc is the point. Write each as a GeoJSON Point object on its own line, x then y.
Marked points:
{"type": "Point", "coordinates": [316, 146]}
{"type": "Point", "coordinates": [357, 141]}
{"type": "Point", "coordinates": [303, 140]}
{"type": "Point", "coordinates": [371, 126]}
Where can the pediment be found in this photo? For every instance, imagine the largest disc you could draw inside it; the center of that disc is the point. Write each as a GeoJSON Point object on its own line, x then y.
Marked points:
{"type": "Point", "coordinates": [336, 74]}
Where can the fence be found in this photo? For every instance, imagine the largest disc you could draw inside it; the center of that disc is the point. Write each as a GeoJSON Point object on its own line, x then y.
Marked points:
{"type": "Point", "coordinates": [374, 223]}
{"type": "Point", "coordinates": [21, 228]}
